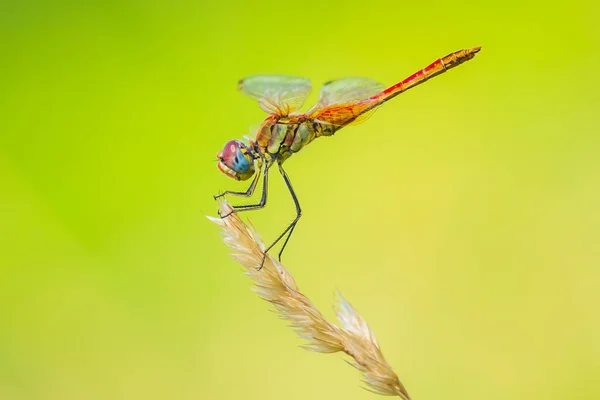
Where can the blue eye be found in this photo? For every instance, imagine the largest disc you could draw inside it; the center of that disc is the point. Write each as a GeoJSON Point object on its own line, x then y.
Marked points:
{"type": "Point", "coordinates": [240, 163]}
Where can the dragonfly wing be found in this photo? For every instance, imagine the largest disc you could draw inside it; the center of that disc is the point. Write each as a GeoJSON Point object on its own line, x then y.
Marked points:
{"type": "Point", "coordinates": [276, 94]}
{"type": "Point", "coordinates": [346, 101]}
{"type": "Point", "coordinates": [348, 90]}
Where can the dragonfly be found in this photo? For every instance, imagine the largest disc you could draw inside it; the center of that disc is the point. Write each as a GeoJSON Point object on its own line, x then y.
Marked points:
{"type": "Point", "coordinates": [286, 131]}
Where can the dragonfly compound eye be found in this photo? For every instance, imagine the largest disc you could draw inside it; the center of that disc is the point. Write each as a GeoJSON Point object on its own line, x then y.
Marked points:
{"type": "Point", "coordinates": [237, 160]}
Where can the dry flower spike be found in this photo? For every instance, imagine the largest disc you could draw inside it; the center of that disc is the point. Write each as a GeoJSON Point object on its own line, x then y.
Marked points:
{"type": "Point", "coordinates": [277, 286]}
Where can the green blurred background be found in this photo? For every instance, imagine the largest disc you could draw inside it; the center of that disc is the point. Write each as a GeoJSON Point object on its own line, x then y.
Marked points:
{"type": "Point", "coordinates": [462, 220]}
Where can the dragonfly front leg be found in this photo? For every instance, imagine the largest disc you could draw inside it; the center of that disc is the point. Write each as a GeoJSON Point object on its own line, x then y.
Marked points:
{"type": "Point", "coordinates": [263, 197]}
{"type": "Point", "coordinates": [249, 192]}
{"type": "Point", "coordinates": [291, 227]}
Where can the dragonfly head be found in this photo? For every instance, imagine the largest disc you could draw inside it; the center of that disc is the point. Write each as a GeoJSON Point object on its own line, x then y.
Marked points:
{"type": "Point", "coordinates": [236, 160]}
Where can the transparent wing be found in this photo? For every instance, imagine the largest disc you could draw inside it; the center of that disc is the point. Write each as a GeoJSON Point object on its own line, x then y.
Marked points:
{"type": "Point", "coordinates": [276, 94]}
{"type": "Point", "coordinates": [348, 90]}
{"type": "Point", "coordinates": [346, 101]}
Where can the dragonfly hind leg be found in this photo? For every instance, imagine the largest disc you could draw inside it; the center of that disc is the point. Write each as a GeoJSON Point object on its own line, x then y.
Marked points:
{"type": "Point", "coordinates": [291, 226]}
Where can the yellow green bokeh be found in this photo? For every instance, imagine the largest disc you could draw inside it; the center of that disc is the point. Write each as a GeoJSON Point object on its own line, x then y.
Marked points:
{"type": "Point", "coordinates": [462, 220]}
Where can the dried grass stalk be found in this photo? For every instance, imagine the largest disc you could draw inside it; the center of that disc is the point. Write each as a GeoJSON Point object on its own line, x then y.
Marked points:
{"type": "Point", "coordinates": [277, 286]}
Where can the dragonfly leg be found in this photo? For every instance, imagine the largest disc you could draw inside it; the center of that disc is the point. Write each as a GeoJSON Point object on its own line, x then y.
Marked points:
{"type": "Point", "coordinates": [263, 198]}
{"type": "Point", "coordinates": [291, 227]}
{"type": "Point", "coordinates": [249, 192]}
{"type": "Point", "coordinates": [286, 239]}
